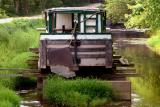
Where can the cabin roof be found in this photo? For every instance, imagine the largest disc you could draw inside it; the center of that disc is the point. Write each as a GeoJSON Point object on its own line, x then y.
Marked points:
{"type": "Point", "coordinates": [74, 9]}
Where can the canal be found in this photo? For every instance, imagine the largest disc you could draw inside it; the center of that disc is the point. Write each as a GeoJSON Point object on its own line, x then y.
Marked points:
{"type": "Point", "coordinates": [145, 89]}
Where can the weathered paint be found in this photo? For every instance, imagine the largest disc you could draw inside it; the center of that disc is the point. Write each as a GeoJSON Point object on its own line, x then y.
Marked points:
{"type": "Point", "coordinates": [99, 24]}
{"type": "Point", "coordinates": [79, 36]}
{"type": "Point", "coordinates": [82, 23]}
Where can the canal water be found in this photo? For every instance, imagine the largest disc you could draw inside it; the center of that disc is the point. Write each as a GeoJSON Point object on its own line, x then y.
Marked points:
{"type": "Point", "coordinates": [145, 89]}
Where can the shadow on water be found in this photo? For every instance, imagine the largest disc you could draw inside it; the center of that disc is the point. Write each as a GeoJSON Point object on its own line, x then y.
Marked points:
{"type": "Point", "coordinates": [147, 63]}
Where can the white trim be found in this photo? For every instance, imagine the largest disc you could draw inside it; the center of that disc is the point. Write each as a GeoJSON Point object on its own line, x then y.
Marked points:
{"type": "Point", "coordinates": [80, 37]}
{"type": "Point", "coordinates": [82, 23]}
{"type": "Point", "coordinates": [99, 24]}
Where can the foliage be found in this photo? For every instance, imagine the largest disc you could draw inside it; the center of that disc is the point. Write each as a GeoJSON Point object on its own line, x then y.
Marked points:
{"type": "Point", "coordinates": [79, 92]}
{"type": "Point", "coordinates": [8, 98]}
{"type": "Point", "coordinates": [153, 13]}
{"type": "Point", "coordinates": [154, 41]}
{"type": "Point", "coordinates": [116, 9]}
{"type": "Point", "coordinates": [137, 19]}
{"type": "Point", "coordinates": [145, 14]}
{"type": "Point", "coordinates": [6, 104]}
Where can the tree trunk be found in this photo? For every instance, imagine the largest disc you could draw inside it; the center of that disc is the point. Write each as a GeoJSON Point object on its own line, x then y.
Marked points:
{"type": "Point", "coordinates": [26, 7]}
{"type": "Point", "coordinates": [16, 6]}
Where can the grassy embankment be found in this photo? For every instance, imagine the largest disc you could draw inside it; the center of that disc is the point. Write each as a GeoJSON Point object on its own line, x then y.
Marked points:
{"type": "Point", "coordinates": [78, 93]}
{"type": "Point", "coordinates": [15, 39]}
{"type": "Point", "coordinates": [154, 41]}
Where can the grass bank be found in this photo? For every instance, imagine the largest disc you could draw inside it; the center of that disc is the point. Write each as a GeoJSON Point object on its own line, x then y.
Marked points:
{"type": "Point", "coordinates": [8, 98]}
{"type": "Point", "coordinates": [154, 41]}
{"type": "Point", "coordinates": [78, 92]}
{"type": "Point", "coordinates": [15, 40]}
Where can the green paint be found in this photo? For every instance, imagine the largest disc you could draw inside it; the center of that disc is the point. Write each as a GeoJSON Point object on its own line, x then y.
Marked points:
{"type": "Point", "coordinates": [79, 15]}
{"type": "Point", "coordinates": [96, 23]}
{"type": "Point", "coordinates": [55, 21]}
{"type": "Point", "coordinates": [84, 23]}
{"type": "Point", "coordinates": [102, 27]}
{"type": "Point", "coordinates": [50, 23]}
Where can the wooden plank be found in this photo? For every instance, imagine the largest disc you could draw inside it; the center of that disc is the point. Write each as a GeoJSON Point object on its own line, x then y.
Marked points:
{"type": "Point", "coordinates": [89, 55]}
{"type": "Point", "coordinates": [82, 46]}
{"type": "Point", "coordinates": [117, 56]}
{"type": "Point", "coordinates": [129, 74]}
{"type": "Point", "coordinates": [123, 65]}
{"type": "Point", "coordinates": [109, 54]}
{"type": "Point", "coordinates": [43, 54]}
{"type": "Point", "coordinates": [86, 49]}
{"type": "Point", "coordinates": [19, 69]}
{"type": "Point", "coordinates": [82, 42]}
{"type": "Point", "coordinates": [34, 50]}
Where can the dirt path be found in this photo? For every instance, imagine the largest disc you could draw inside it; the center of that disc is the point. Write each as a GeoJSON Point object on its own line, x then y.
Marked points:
{"type": "Point", "coordinates": [7, 20]}
{"type": "Point", "coordinates": [94, 5]}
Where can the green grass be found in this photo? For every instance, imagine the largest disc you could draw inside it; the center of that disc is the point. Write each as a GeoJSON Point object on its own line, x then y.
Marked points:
{"type": "Point", "coordinates": [154, 41]}
{"type": "Point", "coordinates": [8, 98]}
{"type": "Point", "coordinates": [78, 93]}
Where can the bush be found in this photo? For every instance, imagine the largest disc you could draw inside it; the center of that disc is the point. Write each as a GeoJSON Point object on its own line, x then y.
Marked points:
{"type": "Point", "coordinates": [116, 9]}
{"type": "Point", "coordinates": [78, 93]}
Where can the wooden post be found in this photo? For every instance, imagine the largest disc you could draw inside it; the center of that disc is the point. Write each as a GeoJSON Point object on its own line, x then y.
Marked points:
{"type": "Point", "coordinates": [43, 54]}
{"type": "Point", "coordinates": [109, 54]}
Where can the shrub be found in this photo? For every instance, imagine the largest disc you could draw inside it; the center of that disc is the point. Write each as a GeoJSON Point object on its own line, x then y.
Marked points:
{"type": "Point", "coordinates": [79, 92]}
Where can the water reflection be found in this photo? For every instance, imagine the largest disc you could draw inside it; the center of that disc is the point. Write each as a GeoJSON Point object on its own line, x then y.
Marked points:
{"type": "Point", "coordinates": [146, 63]}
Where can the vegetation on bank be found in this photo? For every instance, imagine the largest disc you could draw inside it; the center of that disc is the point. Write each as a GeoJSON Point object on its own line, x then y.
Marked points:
{"type": "Point", "coordinates": [78, 92]}
{"type": "Point", "coordinates": [15, 39]}
{"type": "Point", "coordinates": [8, 98]}
{"type": "Point", "coordinates": [154, 41]}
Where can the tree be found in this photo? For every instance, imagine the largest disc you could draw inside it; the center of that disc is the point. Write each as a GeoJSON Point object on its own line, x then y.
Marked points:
{"type": "Point", "coordinates": [137, 18]}
{"type": "Point", "coordinates": [152, 9]}
{"type": "Point", "coordinates": [116, 9]}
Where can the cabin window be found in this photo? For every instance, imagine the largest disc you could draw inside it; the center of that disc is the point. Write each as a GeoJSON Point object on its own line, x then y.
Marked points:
{"type": "Point", "coordinates": [90, 24]}
{"type": "Point", "coordinates": [60, 22]}
{"type": "Point", "coordinates": [64, 21]}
